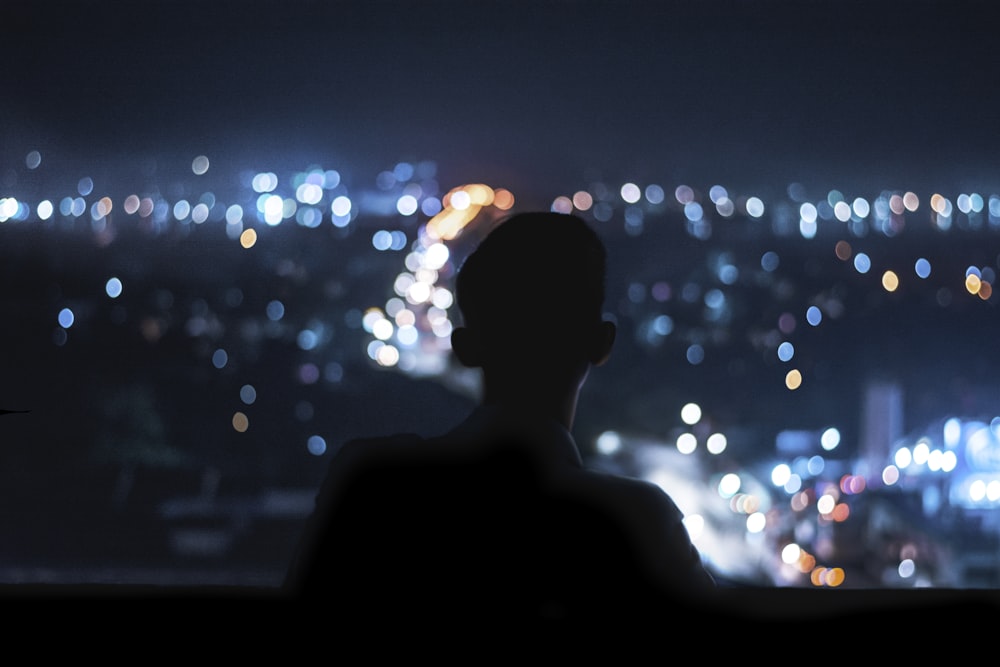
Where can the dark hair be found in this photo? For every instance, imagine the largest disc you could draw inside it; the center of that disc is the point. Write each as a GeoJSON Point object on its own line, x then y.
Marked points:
{"type": "Point", "coordinates": [541, 268]}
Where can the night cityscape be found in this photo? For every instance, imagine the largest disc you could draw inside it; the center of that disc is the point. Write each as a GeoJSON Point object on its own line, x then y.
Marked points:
{"type": "Point", "coordinates": [201, 303]}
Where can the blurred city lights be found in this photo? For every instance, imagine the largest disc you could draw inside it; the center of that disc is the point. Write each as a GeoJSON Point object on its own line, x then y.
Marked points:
{"type": "Point", "coordinates": [691, 413]}
{"type": "Point", "coordinates": [422, 231]}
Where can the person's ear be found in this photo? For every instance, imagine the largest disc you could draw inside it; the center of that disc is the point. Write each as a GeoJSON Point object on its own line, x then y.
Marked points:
{"type": "Point", "coordinates": [604, 340]}
{"type": "Point", "coordinates": [467, 347]}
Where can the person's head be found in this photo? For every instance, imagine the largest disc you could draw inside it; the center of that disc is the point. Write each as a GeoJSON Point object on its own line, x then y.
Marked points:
{"type": "Point", "coordinates": [531, 297]}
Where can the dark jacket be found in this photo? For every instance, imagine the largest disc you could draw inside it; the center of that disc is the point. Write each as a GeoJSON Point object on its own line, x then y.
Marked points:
{"type": "Point", "coordinates": [498, 516]}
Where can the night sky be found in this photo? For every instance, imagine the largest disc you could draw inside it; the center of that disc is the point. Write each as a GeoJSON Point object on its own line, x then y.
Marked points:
{"type": "Point", "coordinates": [521, 94]}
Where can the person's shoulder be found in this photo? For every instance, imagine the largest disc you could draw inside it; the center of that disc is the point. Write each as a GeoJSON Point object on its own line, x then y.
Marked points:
{"type": "Point", "coordinates": [368, 443]}
{"type": "Point", "coordinates": [393, 440]}
{"type": "Point", "coordinates": [360, 450]}
{"type": "Point", "coordinates": [630, 489]}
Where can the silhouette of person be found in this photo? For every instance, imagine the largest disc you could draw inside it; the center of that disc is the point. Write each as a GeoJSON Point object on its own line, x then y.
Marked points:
{"type": "Point", "coordinates": [499, 515]}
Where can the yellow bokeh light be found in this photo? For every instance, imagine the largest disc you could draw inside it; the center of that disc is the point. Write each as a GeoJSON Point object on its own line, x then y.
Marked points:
{"type": "Point", "coordinates": [890, 281]}
{"type": "Point", "coordinates": [806, 562]}
{"type": "Point", "coordinates": [793, 379]}
{"type": "Point", "coordinates": [827, 576]}
{"type": "Point", "coordinates": [240, 422]}
{"type": "Point", "coordinates": [938, 203]}
{"type": "Point", "coordinates": [449, 222]}
{"type": "Point", "coordinates": [479, 194]}
{"type": "Point", "coordinates": [973, 283]}
{"type": "Point", "coordinates": [248, 238]}
{"type": "Point", "coordinates": [462, 205]}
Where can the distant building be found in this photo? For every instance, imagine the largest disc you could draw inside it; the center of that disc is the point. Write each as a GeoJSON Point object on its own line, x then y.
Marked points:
{"type": "Point", "coordinates": [881, 426]}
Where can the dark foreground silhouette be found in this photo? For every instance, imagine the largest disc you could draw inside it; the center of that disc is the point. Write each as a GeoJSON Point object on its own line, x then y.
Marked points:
{"type": "Point", "coordinates": [499, 516]}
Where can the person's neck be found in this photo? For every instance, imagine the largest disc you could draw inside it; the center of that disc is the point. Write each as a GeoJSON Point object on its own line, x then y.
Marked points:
{"type": "Point", "coordinates": [559, 407]}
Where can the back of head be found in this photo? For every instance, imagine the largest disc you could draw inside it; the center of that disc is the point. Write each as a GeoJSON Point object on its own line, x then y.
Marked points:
{"type": "Point", "coordinates": [535, 284]}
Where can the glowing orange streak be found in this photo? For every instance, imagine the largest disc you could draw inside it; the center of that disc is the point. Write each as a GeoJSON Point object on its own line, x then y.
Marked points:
{"type": "Point", "coordinates": [449, 222]}
{"type": "Point", "coordinates": [460, 211]}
